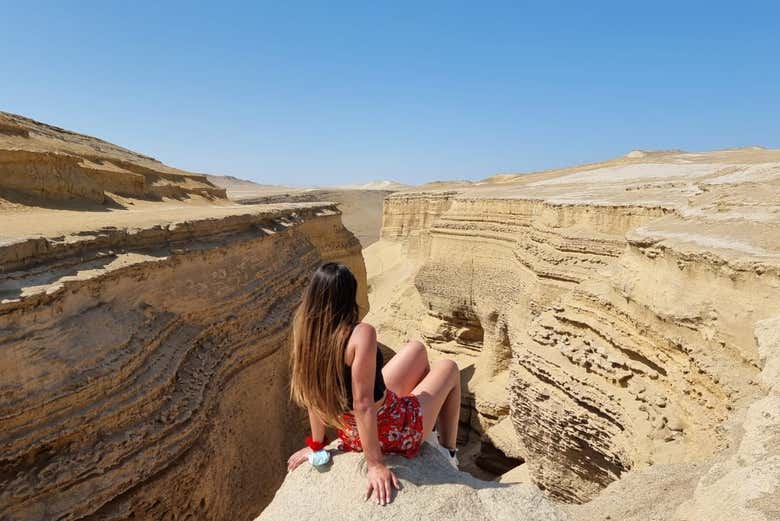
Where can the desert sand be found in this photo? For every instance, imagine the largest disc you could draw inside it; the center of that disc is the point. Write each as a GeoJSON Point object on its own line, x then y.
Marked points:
{"type": "Point", "coordinates": [360, 204]}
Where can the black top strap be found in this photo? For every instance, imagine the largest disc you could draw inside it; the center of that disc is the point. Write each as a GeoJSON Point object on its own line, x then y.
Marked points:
{"type": "Point", "coordinates": [379, 381]}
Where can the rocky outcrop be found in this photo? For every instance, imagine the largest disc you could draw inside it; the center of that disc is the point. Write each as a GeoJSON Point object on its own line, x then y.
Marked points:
{"type": "Point", "coordinates": [51, 163]}
{"type": "Point", "coordinates": [605, 312]}
{"type": "Point", "coordinates": [431, 490]}
{"type": "Point", "coordinates": [616, 325]}
{"type": "Point", "coordinates": [143, 364]}
{"type": "Point", "coordinates": [743, 482]}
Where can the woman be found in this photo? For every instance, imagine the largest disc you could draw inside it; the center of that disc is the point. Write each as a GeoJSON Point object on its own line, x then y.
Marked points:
{"type": "Point", "coordinates": [337, 375]}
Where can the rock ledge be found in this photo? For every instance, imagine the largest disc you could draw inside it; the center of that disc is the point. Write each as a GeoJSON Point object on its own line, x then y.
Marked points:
{"type": "Point", "coordinates": [431, 490]}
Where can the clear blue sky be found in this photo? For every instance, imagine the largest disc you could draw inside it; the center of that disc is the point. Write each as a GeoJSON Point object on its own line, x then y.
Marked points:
{"type": "Point", "coordinates": [336, 92]}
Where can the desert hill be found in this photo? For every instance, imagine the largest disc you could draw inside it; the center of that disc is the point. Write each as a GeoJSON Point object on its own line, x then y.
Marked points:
{"type": "Point", "coordinates": [52, 163]}
{"type": "Point", "coordinates": [143, 332]}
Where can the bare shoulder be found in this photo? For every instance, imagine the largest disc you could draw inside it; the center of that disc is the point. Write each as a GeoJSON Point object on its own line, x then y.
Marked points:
{"type": "Point", "coordinates": [363, 338]}
{"type": "Point", "coordinates": [364, 330]}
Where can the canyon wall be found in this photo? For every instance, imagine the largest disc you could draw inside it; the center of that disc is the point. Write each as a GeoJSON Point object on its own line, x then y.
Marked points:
{"type": "Point", "coordinates": [615, 324]}
{"type": "Point", "coordinates": [361, 210]}
{"type": "Point", "coordinates": [604, 313]}
{"type": "Point", "coordinates": [144, 366]}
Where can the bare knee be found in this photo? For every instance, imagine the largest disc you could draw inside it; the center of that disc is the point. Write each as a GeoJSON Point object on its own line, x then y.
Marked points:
{"type": "Point", "coordinates": [415, 346]}
{"type": "Point", "coordinates": [450, 368]}
{"type": "Point", "coordinates": [417, 350]}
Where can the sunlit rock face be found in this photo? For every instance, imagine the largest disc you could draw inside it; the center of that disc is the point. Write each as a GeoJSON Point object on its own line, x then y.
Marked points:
{"type": "Point", "coordinates": [143, 371]}
{"type": "Point", "coordinates": [144, 332]}
{"type": "Point", "coordinates": [55, 164]}
{"type": "Point", "coordinates": [608, 310]}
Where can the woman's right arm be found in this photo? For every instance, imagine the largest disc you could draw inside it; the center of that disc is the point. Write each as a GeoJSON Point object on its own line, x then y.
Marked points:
{"type": "Point", "coordinates": [317, 434]}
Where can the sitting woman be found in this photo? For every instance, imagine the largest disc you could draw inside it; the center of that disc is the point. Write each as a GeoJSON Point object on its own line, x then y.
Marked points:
{"type": "Point", "coordinates": [338, 376]}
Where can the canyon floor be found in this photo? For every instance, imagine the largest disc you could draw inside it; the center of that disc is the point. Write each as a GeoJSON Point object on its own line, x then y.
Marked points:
{"type": "Point", "coordinates": [617, 326]}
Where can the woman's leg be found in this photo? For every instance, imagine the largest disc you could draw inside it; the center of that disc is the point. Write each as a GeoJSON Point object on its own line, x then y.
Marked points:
{"type": "Point", "coordinates": [439, 395]}
{"type": "Point", "coordinates": [407, 368]}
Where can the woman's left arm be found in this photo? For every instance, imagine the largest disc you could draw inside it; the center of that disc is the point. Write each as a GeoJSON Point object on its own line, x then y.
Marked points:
{"type": "Point", "coordinates": [317, 426]}
{"type": "Point", "coordinates": [381, 479]}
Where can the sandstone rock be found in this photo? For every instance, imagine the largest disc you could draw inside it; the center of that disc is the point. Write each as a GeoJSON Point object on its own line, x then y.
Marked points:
{"type": "Point", "coordinates": [143, 363]}
{"type": "Point", "coordinates": [55, 164]}
{"type": "Point", "coordinates": [649, 494]}
{"type": "Point", "coordinates": [742, 483]}
{"type": "Point", "coordinates": [518, 474]}
{"type": "Point", "coordinates": [431, 490]}
{"type": "Point", "coordinates": [622, 295]}
{"type": "Point", "coordinates": [614, 322]}
{"type": "Point", "coordinates": [745, 484]}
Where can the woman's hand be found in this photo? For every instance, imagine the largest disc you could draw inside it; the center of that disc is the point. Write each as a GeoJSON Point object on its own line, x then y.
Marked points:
{"type": "Point", "coordinates": [297, 458]}
{"type": "Point", "coordinates": [381, 481]}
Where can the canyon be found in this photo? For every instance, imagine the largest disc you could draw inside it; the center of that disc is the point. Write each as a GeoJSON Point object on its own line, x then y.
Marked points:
{"type": "Point", "coordinates": [606, 320]}
{"type": "Point", "coordinates": [616, 325]}
{"type": "Point", "coordinates": [143, 348]}
{"type": "Point", "coordinates": [360, 205]}
{"type": "Point", "coordinates": [140, 368]}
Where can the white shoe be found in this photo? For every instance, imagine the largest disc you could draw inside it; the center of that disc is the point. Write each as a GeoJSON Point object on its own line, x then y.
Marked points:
{"type": "Point", "coordinates": [433, 441]}
{"type": "Point", "coordinates": [453, 459]}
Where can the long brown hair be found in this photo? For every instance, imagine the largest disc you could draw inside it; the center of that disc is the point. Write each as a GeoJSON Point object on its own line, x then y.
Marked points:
{"type": "Point", "coordinates": [321, 327]}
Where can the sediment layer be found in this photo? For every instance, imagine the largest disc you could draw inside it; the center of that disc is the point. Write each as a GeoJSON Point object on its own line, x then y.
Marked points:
{"type": "Point", "coordinates": [51, 163]}
{"type": "Point", "coordinates": [605, 312]}
{"type": "Point", "coordinates": [144, 369]}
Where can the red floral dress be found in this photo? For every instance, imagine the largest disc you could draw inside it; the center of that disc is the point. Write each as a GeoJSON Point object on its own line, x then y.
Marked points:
{"type": "Point", "coordinates": [399, 424]}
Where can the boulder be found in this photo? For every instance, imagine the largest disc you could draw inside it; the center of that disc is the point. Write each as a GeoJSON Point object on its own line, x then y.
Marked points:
{"type": "Point", "coordinates": [431, 489]}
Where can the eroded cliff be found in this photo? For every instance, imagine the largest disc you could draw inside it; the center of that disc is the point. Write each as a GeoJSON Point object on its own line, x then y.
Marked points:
{"type": "Point", "coordinates": [144, 363]}
{"type": "Point", "coordinates": [144, 322]}
{"type": "Point", "coordinates": [603, 315]}
{"type": "Point", "coordinates": [52, 163]}
{"type": "Point", "coordinates": [616, 325]}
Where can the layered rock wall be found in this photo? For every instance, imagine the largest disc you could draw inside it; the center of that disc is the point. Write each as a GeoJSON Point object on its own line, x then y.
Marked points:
{"type": "Point", "coordinates": [51, 164]}
{"type": "Point", "coordinates": [144, 371]}
{"type": "Point", "coordinates": [612, 327]}
{"type": "Point", "coordinates": [742, 482]}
